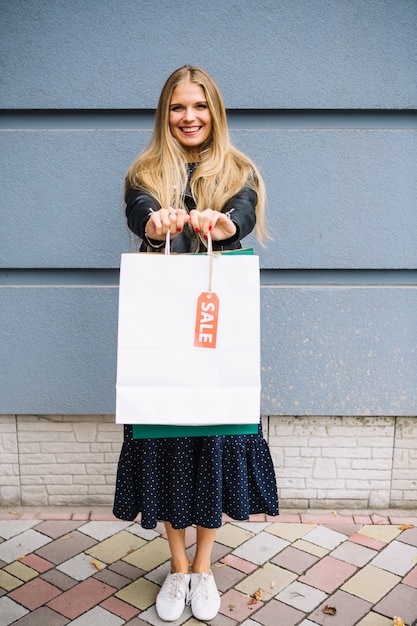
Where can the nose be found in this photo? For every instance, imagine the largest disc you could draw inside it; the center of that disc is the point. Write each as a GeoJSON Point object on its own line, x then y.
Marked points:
{"type": "Point", "coordinates": [189, 114]}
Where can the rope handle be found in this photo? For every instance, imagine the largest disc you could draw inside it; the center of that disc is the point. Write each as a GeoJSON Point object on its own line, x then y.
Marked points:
{"type": "Point", "coordinates": [210, 254]}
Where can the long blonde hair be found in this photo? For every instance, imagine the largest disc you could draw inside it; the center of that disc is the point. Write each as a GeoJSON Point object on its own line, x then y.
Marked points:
{"type": "Point", "coordinates": [161, 169]}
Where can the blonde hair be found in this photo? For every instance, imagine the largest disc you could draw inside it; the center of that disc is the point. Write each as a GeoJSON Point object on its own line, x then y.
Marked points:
{"type": "Point", "coordinates": [161, 169]}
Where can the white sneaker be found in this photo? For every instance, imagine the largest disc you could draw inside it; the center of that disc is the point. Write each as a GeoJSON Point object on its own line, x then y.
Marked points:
{"type": "Point", "coordinates": [170, 601]}
{"type": "Point", "coordinates": [204, 597]}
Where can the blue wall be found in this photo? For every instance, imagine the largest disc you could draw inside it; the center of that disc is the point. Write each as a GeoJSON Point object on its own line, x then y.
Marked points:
{"type": "Point", "coordinates": [322, 94]}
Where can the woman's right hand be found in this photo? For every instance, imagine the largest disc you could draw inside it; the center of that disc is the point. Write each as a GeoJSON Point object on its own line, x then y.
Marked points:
{"type": "Point", "coordinates": [164, 220]}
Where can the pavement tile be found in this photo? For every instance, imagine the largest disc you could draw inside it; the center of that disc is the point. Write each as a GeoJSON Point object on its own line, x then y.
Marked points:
{"type": "Point", "coordinates": [112, 578]}
{"type": "Point", "coordinates": [373, 619]}
{"type": "Point", "coordinates": [80, 566]}
{"type": "Point", "coordinates": [159, 574]}
{"type": "Point", "coordinates": [145, 533]}
{"type": "Point", "coordinates": [35, 593]}
{"type": "Point", "coordinates": [261, 548]}
{"type": "Point", "coordinates": [240, 564]}
{"type": "Point", "coordinates": [290, 532]}
{"type": "Point", "coordinates": [401, 601]}
{"type": "Point", "coordinates": [141, 593]}
{"type": "Point", "coordinates": [81, 598]}
{"type": "Point", "coordinates": [275, 613]}
{"type": "Point", "coordinates": [150, 617]}
{"type": "Point", "coordinates": [325, 537]}
{"type": "Point", "coordinates": [411, 578]}
{"type": "Point", "coordinates": [235, 605]}
{"type": "Point", "coordinates": [63, 548]}
{"type": "Point", "coordinates": [115, 548]}
{"type": "Point", "coordinates": [57, 528]}
{"type": "Point", "coordinates": [232, 536]}
{"type": "Point", "coordinates": [43, 616]}
{"type": "Point", "coordinates": [371, 583]}
{"type": "Point", "coordinates": [122, 609]}
{"type": "Point", "coordinates": [150, 555]}
{"type": "Point", "coordinates": [397, 557]}
{"type": "Point", "coordinates": [346, 529]}
{"type": "Point", "coordinates": [252, 527]}
{"type": "Point", "coordinates": [270, 578]}
{"type": "Point", "coordinates": [399, 521]}
{"type": "Point", "coordinates": [98, 615]}
{"type": "Point", "coordinates": [409, 536]}
{"type": "Point", "coordinates": [362, 519]}
{"type": "Point", "coordinates": [37, 563]}
{"type": "Point", "coordinates": [311, 548]}
{"type": "Point", "coordinates": [21, 545]}
{"type": "Point", "coordinates": [294, 560]}
{"type": "Point", "coordinates": [227, 577]}
{"type": "Point", "coordinates": [377, 519]}
{"type": "Point", "coordinates": [328, 574]}
{"type": "Point", "coordinates": [9, 582]}
{"type": "Point", "coordinates": [125, 569]}
{"type": "Point", "coordinates": [136, 622]}
{"type": "Point", "coordinates": [21, 571]}
{"type": "Point", "coordinates": [369, 542]}
{"type": "Point", "coordinates": [8, 530]}
{"type": "Point", "coordinates": [353, 553]}
{"type": "Point", "coordinates": [350, 610]}
{"type": "Point", "coordinates": [219, 620]}
{"type": "Point", "coordinates": [58, 579]}
{"type": "Point", "coordinates": [301, 596]}
{"type": "Point", "coordinates": [10, 611]}
{"type": "Point", "coordinates": [381, 533]}
{"type": "Point", "coordinates": [103, 530]}
{"type": "Point", "coordinates": [308, 518]}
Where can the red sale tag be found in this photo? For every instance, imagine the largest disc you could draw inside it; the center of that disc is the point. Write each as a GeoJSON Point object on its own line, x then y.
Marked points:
{"type": "Point", "coordinates": [206, 320]}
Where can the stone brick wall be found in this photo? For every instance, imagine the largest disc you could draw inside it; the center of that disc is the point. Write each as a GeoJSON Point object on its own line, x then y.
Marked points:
{"type": "Point", "coordinates": [321, 462]}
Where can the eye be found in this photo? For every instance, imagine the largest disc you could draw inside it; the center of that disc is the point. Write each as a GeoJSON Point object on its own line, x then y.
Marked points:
{"type": "Point", "coordinates": [201, 106]}
{"type": "Point", "coordinates": [176, 107]}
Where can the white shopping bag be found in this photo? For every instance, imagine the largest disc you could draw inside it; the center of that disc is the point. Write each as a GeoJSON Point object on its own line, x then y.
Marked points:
{"type": "Point", "coordinates": [172, 365]}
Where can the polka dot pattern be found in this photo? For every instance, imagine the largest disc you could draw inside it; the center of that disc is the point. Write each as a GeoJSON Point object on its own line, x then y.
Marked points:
{"type": "Point", "coordinates": [192, 480]}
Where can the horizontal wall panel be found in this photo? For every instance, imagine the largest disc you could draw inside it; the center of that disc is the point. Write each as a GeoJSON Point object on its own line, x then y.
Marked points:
{"type": "Point", "coordinates": [339, 350]}
{"type": "Point", "coordinates": [326, 350]}
{"type": "Point", "coordinates": [336, 198]}
{"type": "Point", "coordinates": [274, 53]}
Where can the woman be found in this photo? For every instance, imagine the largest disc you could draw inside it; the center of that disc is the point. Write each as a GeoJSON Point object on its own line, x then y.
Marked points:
{"type": "Point", "coordinates": [191, 181]}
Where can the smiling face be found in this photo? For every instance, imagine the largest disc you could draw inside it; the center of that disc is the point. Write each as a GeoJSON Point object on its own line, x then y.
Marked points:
{"type": "Point", "coordinates": [190, 119]}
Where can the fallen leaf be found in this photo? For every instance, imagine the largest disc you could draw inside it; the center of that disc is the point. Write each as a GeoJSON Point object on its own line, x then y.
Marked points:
{"type": "Point", "coordinates": [405, 526]}
{"type": "Point", "coordinates": [67, 537]}
{"type": "Point", "coordinates": [231, 607]}
{"type": "Point", "coordinates": [329, 610]}
{"type": "Point", "coordinates": [272, 585]}
{"type": "Point", "coordinates": [220, 565]}
{"type": "Point", "coordinates": [257, 596]}
{"type": "Point", "coordinates": [131, 550]}
{"type": "Point", "coordinates": [13, 513]}
{"type": "Point", "coordinates": [398, 621]}
{"type": "Point", "coordinates": [20, 558]}
{"type": "Point", "coordinates": [335, 513]}
{"type": "Point", "coordinates": [96, 565]}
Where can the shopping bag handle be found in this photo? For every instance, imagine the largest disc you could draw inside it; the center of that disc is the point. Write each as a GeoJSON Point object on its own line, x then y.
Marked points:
{"type": "Point", "coordinates": [168, 244]}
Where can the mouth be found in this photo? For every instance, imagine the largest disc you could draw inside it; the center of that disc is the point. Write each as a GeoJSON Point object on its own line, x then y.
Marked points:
{"type": "Point", "coordinates": [190, 130]}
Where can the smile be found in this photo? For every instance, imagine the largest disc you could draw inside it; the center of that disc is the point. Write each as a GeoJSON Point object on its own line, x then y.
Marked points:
{"type": "Point", "coordinates": [189, 130]}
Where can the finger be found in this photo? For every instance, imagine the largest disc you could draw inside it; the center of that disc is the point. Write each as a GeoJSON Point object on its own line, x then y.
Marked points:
{"type": "Point", "coordinates": [194, 220]}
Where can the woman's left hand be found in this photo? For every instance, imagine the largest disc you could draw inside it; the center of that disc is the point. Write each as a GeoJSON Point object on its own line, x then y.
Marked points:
{"type": "Point", "coordinates": [218, 224]}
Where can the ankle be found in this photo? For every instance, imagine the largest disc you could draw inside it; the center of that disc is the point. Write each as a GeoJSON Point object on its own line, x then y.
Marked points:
{"type": "Point", "coordinates": [180, 567]}
{"type": "Point", "coordinates": [202, 567]}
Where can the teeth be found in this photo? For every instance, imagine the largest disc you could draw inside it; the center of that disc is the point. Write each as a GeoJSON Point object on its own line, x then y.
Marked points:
{"type": "Point", "coordinates": [190, 130]}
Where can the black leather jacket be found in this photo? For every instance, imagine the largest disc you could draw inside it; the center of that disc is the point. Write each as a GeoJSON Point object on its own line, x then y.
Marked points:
{"type": "Point", "coordinates": [240, 209]}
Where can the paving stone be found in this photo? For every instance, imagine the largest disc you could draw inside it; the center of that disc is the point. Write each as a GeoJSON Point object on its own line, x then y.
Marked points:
{"type": "Point", "coordinates": [227, 577]}
{"type": "Point", "coordinates": [271, 578]}
{"type": "Point", "coordinates": [9, 530]}
{"type": "Point", "coordinates": [116, 547]}
{"type": "Point", "coordinates": [98, 616]}
{"type": "Point", "coordinates": [301, 596]}
{"type": "Point", "coordinates": [328, 574]}
{"type": "Point", "coordinates": [291, 532]}
{"type": "Point", "coordinates": [21, 571]}
{"type": "Point", "coordinates": [236, 605]}
{"type": "Point", "coordinates": [34, 593]}
{"type": "Point", "coordinates": [112, 579]}
{"type": "Point", "coordinates": [43, 616]}
{"type": "Point", "coordinates": [150, 555]}
{"type": "Point", "coordinates": [261, 548]}
{"type": "Point", "coordinates": [275, 613]}
{"type": "Point", "coordinates": [81, 598]}
{"type": "Point", "coordinates": [150, 617]}
{"type": "Point", "coordinates": [80, 566]}
{"type": "Point", "coordinates": [57, 528]}
{"type": "Point", "coordinates": [353, 553]}
{"type": "Point", "coordinates": [125, 569]}
{"type": "Point", "coordinates": [371, 583]}
{"type": "Point", "coordinates": [10, 611]}
{"type": "Point", "coordinates": [401, 601]}
{"type": "Point", "coordinates": [21, 545]}
{"type": "Point", "coordinates": [411, 578]}
{"type": "Point", "coordinates": [346, 529]}
{"type": "Point", "coordinates": [145, 533]}
{"type": "Point", "coordinates": [380, 533]}
{"type": "Point", "coordinates": [103, 530]}
{"type": "Point", "coordinates": [141, 593]}
{"type": "Point", "coordinates": [37, 563]}
{"type": "Point", "coordinates": [9, 582]}
{"type": "Point", "coordinates": [159, 574]}
{"type": "Point", "coordinates": [294, 560]}
{"type": "Point", "coordinates": [240, 564]}
{"type": "Point", "coordinates": [311, 548]}
{"type": "Point", "coordinates": [369, 542]}
{"type": "Point", "coordinates": [397, 557]}
{"type": "Point", "coordinates": [58, 579]}
{"type": "Point", "coordinates": [254, 527]}
{"type": "Point", "coordinates": [373, 619]}
{"type": "Point", "coordinates": [325, 537]}
{"type": "Point", "coordinates": [120, 608]}
{"type": "Point", "coordinates": [350, 610]}
{"type": "Point", "coordinates": [409, 536]}
{"type": "Point", "coordinates": [232, 536]}
{"type": "Point", "coordinates": [63, 548]}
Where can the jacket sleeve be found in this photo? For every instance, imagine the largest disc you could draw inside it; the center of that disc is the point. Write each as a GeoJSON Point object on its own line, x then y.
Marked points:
{"type": "Point", "coordinates": [139, 206]}
{"type": "Point", "coordinates": [241, 209]}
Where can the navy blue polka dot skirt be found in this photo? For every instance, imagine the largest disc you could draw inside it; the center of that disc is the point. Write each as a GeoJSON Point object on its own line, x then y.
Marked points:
{"type": "Point", "coordinates": [192, 480]}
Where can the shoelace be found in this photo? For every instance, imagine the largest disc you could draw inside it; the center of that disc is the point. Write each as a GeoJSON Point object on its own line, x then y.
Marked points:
{"type": "Point", "coordinates": [176, 586]}
{"type": "Point", "coordinates": [203, 588]}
